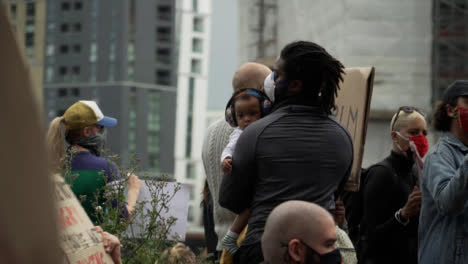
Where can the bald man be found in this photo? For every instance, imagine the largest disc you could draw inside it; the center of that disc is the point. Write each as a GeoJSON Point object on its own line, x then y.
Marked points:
{"type": "Point", "coordinates": [300, 232]}
{"type": "Point", "coordinates": [249, 75]}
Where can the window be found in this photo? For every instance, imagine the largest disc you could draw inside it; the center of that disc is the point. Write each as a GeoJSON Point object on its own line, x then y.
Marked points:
{"type": "Point", "coordinates": [75, 92]}
{"type": "Point", "coordinates": [77, 48]}
{"type": "Point", "coordinates": [13, 11]}
{"type": "Point", "coordinates": [64, 28]}
{"type": "Point", "coordinates": [62, 92]}
{"type": "Point", "coordinates": [163, 34]}
{"type": "Point", "coordinates": [154, 117]}
{"type": "Point", "coordinates": [188, 136]}
{"type": "Point", "coordinates": [29, 39]}
{"type": "Point", "coordinates": [93, 52]}
{"type": "Point", "coordinates": [190, 217]}
{"type": "Point", "coordinates": [76, 70]}
{"type": "Point", "coordinates": [131, 52]}
{"type": "Point", "coordinates": [196, 66]}
{"type": "Point", "coordinates": [197, 24]}
{"type": "Point", "coordinates": [190, 171]}
{"type": "Point", "coordinates": [77, 27]}
{"type": "Point", "coordinates": [163, 55]}
{"type": "Point", "coordinates": [164, 13]}
{"type": "Point", "coordinates": [153, 162]}
{"type": "Point", "coordinates": [50, 50]}
{"type": "Point", "coordinates": [131, 73]}
{"type": "Point", "coordinates": [29, 25]}
{"type": "Point", "coordinates": [49, 74]}
{"type": "Point", "coordinates": [197, 45]}
{"type": "Point", "coordinates": [163, 77]}
{"type": "Point", "coordinates": [78, 5]}
{"type": "Point", "coordinates": [195, 5]}
{"type": "Point", "coordinates": [112, 52]}
{"type": "Point", "coordinates": [65, 6]}
{"type": "Point", "coordinates": [63, 70]}
{"type": "Point", "coordinates": [30, 9]}
{"type": "Point", "coordinates": [63, 49]}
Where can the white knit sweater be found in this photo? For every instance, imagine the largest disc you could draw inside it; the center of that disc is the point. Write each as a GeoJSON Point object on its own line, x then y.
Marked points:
{"type": "Point", "coordinates": [216, 139]}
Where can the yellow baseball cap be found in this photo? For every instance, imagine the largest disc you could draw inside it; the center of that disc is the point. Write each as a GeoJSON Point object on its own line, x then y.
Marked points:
{"type": "Point", "coordinates": [86, 113]}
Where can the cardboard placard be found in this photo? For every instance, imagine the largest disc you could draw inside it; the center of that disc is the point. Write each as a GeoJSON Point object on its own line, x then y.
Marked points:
{"type": "Point", "coordinates": [79, 242]}
{"type": "Point", "coordinates": [352, 111]}
{"type": "Point", "coordinates": [177, 207]}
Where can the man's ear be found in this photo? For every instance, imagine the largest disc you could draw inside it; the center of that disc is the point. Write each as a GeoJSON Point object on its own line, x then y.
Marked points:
{"type": "Point", "coordinates": [451, 111]}
{"type": "Point", "coordinates": [296, 250]}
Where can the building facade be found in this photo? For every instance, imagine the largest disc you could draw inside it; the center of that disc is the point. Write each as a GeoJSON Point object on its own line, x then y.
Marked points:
{"type": "Point", "coordinates": [393, 36]}
{"type": "Point", "coordinates": [123, 55]}
{"type": "Point", "coordinates": [29, 18]}
{"type": "Point", "coordinates": [194, 45]}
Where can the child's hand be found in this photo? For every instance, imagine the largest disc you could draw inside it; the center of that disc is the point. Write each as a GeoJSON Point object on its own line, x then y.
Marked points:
{"type": "Point", "coordinates": [227, 165]}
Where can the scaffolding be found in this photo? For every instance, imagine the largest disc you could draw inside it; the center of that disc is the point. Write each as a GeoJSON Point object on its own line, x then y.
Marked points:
{"type": "Point", "coordinates": [449, 45]}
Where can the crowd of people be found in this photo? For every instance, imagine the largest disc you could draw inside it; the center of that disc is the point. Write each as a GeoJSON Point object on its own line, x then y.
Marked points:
{"type": "Point", "coordinates": [277, 163]}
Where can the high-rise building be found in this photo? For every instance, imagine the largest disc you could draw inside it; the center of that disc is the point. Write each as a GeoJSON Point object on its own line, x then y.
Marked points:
{"type": "Point", "coordinates": [28, 18]}
{"type": "Point", "coordinates": [393, 36]}
{"type": "Point", "coordinates": [449, 44]}
{"type": "Point", "coordinates": [194, 40]}
{"type": "Point", "coordinates": [121, 53]}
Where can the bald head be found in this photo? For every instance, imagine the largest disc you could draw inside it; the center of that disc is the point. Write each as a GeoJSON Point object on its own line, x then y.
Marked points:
{"type": "Point", "coordinates": [301, 220]}
{"type": "Point", "coordinates": [250, 75]}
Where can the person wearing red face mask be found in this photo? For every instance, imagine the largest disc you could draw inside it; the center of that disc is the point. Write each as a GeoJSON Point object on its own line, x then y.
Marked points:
{"type": "Point", "coordinates": [391, 195]}
{"type": "Point", "coordinates": [443, 224]}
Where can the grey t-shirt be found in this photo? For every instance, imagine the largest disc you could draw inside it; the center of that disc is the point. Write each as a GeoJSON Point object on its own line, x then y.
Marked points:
{"type": "Point", "coordinates": [295, 153]}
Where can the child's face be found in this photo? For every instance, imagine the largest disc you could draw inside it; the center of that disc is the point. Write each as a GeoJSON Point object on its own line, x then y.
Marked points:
{"type": "Point", "coordinates": [247, 111]}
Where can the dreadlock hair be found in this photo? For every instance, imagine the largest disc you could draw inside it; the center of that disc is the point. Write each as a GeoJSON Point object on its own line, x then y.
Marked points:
{"type": "Point", "coordinates": [319, 72]}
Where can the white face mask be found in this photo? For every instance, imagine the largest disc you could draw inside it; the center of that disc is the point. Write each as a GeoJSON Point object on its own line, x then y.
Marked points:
{"type": "Point", "coordinates": [269, 86]}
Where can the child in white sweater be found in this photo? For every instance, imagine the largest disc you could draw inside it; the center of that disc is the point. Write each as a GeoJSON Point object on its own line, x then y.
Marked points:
{"type": "Point", "coordinates": [246, 106]}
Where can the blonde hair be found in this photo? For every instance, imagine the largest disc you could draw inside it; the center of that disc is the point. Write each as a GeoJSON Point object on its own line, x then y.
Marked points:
{"type": "Point", "coordinates": [404, 119]}
{"type": "Point", "coordinates": [56, 143]}
{"type": "Point", "coordinates": [178, 254]}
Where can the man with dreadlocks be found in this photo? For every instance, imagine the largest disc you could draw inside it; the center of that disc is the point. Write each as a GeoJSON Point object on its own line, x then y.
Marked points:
{"type": "Point", "coordinates": [298, 152]}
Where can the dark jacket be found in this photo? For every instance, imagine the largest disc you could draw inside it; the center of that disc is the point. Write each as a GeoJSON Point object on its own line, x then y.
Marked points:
{"type": "Point", "coordinates": [295, 153]}
{"type": "Point", "coordinates": [386, 191]}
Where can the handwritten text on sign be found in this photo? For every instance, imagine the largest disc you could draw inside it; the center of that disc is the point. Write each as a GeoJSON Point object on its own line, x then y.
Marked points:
{"type": "Point", "coordinates": [80, 243]}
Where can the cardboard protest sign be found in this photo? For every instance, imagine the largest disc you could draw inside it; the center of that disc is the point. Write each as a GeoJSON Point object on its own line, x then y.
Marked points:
{"type": "Point", "coordinates": [28, 232]}
{"type": "Point", "coordinates": [177, 207]}
{"type": "Point", "coordinates": [79, 242]}
{"type": "Point", "coordinates": [352, 111]}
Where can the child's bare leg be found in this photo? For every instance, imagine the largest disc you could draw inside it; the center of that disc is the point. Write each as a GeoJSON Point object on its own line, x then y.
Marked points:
{"type": "Point", "coordinates": [229, 241]}
{"type": "Point", "coordinates": [240, 222]}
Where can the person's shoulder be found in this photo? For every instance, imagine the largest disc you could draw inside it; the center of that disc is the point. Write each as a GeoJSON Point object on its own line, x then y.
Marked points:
{"type": "Point", "coordinates": [381, 172]}
{"type": "Point", "coordinates": [87, 160]}
{"type": "Point", "coordinates": [219, 125]}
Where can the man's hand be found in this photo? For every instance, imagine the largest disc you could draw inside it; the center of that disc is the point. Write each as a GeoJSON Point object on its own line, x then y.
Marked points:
{"type": "Point", "coordinates": [227, 165]}
{"type": "Point", "coordinates": [111, 245]}
{"type": "Point", "coordinates": [413, 205]}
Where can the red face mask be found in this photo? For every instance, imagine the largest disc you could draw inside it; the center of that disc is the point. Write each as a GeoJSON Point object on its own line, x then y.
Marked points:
{"type": "Point", "coordinates": [421, 144]}
{"type": "Point", "coordinates": [462, 119]}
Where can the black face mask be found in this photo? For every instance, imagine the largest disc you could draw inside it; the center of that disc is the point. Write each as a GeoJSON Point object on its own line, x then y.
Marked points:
{"type": "Point", "coordinates": [312, 257]}
{"type": "Point", "coordinates": [94, 143]}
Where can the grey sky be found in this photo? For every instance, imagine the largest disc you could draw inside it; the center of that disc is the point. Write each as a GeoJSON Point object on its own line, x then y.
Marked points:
{"type": "Point", "coordinates": [223, 52]}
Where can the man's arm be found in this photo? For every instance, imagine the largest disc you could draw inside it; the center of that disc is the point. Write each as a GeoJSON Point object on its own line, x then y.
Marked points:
{"type": "Point", "coordinates": [237, 189]}
{"type": "Point", "coordinates": [447, 185]}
